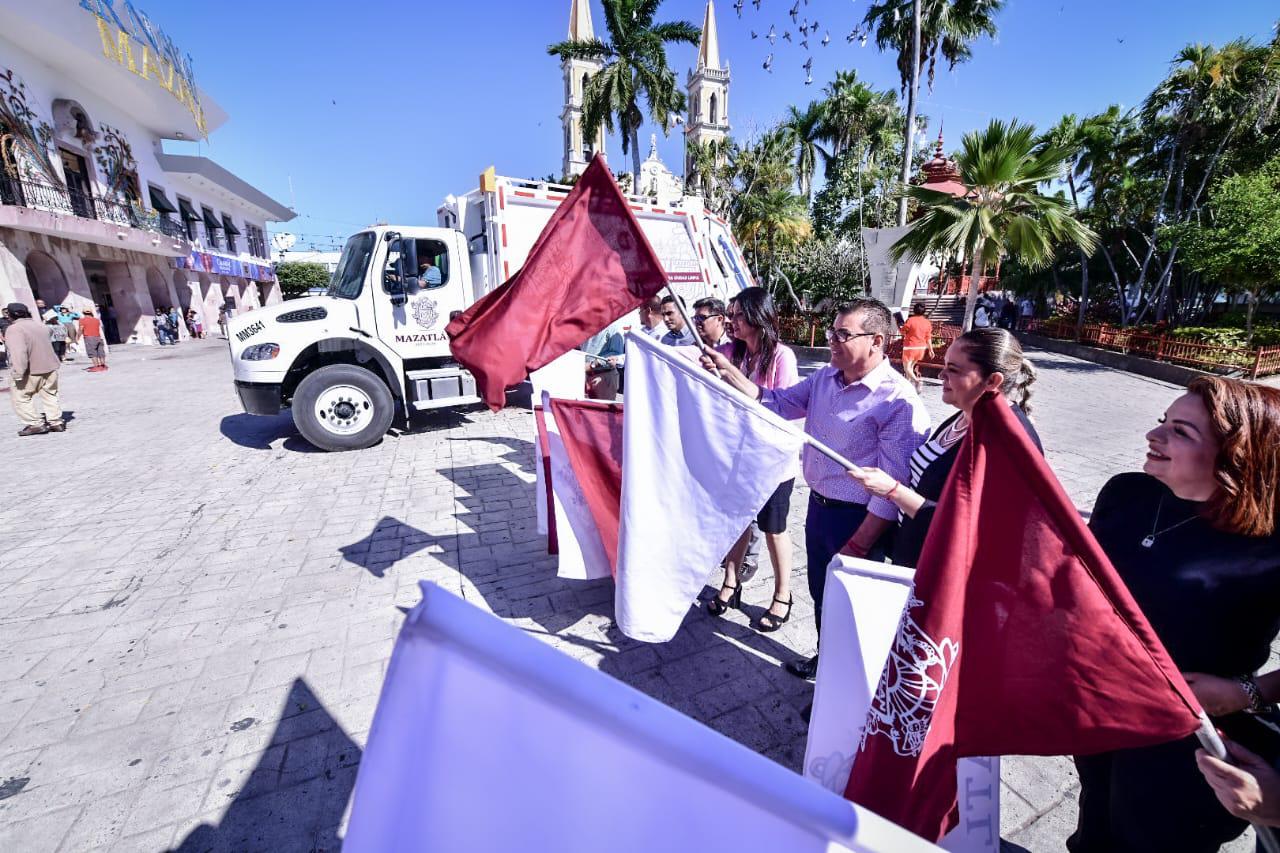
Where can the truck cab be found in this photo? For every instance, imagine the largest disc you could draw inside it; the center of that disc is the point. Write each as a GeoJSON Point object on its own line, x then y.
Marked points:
{"type": "Point", "coordinates": [374, 344]}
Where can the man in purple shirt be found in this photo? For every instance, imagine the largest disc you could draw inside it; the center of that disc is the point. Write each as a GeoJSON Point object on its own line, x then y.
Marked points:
{"type": "Point", "coordinates": [862, 408]}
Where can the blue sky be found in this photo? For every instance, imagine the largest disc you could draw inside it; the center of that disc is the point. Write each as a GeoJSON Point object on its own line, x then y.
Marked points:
{"type": "Point", "coordinates": [376, 111]}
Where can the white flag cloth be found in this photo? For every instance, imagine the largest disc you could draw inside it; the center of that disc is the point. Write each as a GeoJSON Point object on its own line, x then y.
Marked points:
{"type": "Point", "coordinates": [486, 739]}
{"type": "Point", "coordinates": [561, 378]}
{"type": "Point", "coordinates": [581, 550]}
{"type": "Point", "coordinates": [862, 604]}
{"type": "Point", "coordinates": [699, 460]}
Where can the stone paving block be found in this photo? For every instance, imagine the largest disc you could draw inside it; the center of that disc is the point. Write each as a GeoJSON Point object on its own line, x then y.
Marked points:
{"type": "Point", "coordinates": [37, 835]}
{"type": "Point", "coordinates": [254, 601]}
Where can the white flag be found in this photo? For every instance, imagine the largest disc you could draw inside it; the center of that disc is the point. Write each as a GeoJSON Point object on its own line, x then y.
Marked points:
{"type": "Point", "coordinates": [486, 740]}
{"type": "Point", "coordinates": [861, 608]}
{"type": "Point", "coordinates": [580, 550]}
{"type": "Point", "coordinates": [699, 460]}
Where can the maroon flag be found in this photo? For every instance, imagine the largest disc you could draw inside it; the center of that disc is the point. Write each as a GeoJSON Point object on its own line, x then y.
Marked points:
{"type": "Point", "coordinates": [1019, 638]}
{"type": "Point", "coordinates": [590, 265]}
{"type": "Point", "coordinates": [592, 436]}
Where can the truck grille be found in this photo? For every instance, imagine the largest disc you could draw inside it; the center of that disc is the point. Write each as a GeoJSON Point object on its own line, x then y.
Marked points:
{"type": "Point", "coordinates": [302, 315]}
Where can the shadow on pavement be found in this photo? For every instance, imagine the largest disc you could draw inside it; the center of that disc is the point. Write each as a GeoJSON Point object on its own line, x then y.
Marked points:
{"type": "Point", "coordinates": [717, 671]}
{"type": "Point", "coordinates": [258, 431]}
{"type": "Point", "coordinates": [389, 541]}
{"type": "Point", "coordinates": [295, 797]}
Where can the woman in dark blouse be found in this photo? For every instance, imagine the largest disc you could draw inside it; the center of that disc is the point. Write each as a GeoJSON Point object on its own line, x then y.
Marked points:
{"type": "Point", "coordinates": [977, 362]}
{"type": "Point", "coordinates": [1194, 538]}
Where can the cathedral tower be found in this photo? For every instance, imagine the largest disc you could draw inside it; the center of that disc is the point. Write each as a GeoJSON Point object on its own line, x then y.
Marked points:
{"type": "Point", "coordinates": [708, 90]}
{"type": "Point", "coordinates": [578, 151]}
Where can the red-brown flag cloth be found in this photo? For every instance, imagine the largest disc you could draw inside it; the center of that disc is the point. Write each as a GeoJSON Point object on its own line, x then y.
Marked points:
{"type": "Point", "coordinates": [590, 265]}
{"type": "Point", "coordinates": [592, 436]}
{"type": "Point", "coordinates": [1019, 638]}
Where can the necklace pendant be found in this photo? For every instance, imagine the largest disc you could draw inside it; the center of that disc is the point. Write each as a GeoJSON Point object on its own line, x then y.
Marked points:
{"type": "Point", "coordinates": [1148, 541]}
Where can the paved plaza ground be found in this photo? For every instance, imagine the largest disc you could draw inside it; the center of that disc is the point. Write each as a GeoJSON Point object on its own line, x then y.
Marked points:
{"type": "Point", "coordinates": [196, 609]}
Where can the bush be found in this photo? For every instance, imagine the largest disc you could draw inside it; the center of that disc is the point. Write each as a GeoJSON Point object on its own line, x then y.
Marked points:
{"type": "Point", "coordinates": [1227, 336]}
{"type": "Point", "coordinates": [296, 277]}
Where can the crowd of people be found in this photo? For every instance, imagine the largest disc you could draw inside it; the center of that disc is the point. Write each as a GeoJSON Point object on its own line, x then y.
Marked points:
{"type": "Point", "coordinates": [1193, 533]}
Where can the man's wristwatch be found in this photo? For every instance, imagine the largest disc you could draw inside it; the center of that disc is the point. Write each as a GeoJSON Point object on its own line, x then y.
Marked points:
{"type": "Point", "coordinates": [1256, 703]}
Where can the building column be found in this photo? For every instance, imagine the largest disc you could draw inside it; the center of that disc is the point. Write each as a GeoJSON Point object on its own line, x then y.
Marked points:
{"type": "Point", "coordinates": [132, 302]}
{"type": "Point", "coordinates": [13, 279]}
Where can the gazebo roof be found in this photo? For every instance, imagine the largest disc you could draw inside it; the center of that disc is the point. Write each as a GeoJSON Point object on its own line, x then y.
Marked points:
{"type": "Point", "coordinates": [941, 174]}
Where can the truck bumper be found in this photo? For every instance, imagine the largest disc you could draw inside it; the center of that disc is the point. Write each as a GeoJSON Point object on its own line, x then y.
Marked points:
{"type": "Point", "coordinates": [259, 398]}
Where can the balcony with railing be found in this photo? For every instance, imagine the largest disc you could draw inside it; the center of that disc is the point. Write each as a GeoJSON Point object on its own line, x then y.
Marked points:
{"type": "Point", "coordinates": [44, 197]}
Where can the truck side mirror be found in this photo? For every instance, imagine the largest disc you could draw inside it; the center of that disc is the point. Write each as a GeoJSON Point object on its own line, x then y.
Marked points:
{"type": "Point", "coordinates": [401, 277]}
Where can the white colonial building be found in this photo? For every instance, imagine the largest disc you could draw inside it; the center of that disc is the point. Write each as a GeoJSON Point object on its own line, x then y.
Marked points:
{"type": "Point", "coordinates": [93, 212]}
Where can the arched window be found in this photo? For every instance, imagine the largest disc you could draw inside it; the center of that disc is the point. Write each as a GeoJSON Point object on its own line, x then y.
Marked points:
{"type": "Point", "coordinates": [715, 117]}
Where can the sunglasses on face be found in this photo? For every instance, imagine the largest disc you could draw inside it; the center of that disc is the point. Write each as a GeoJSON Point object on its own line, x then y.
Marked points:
{"type": "Point", "coordinates": [699, 319]}
{"type": "Point", "coordinates": [844, 335]}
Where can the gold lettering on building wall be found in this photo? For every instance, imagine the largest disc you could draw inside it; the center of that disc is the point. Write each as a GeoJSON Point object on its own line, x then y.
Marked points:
{"type": "Point", "coordinates": [117, 46]}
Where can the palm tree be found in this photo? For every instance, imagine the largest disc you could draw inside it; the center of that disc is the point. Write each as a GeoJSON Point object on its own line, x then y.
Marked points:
{"type": "Point", "coordinates": [706, 166]}
{"type": "Point", "coordinates": [806, 127]}
{"type": "Point", "coordinates": [858, 116]}
{"type": "Point", "coordinates": [1004, 212]}
{"type": "Point", "coordinates": [635, 66]}
{"type": "Point", "coordinates": [921, 31]}
{"type": "Point", "coordinates": [779, 218]}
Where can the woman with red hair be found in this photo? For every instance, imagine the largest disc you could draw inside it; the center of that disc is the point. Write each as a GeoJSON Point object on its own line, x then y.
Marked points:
{"type": "Point", "coordinates": [1194, 536]}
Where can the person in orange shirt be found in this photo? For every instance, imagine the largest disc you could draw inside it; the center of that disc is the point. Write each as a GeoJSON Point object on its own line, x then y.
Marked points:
{"type": "Point", "coordinates": [94, 346]}
{"type": "Point", "coordinates": [917, 340]}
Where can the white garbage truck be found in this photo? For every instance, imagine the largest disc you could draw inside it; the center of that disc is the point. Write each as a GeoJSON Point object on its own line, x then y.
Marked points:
{"type": "Point", "coordinates": [374, 345]}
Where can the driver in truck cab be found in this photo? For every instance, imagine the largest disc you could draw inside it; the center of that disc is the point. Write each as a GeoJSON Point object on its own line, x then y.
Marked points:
{"type": "Point", "coordinates": [428, 274]}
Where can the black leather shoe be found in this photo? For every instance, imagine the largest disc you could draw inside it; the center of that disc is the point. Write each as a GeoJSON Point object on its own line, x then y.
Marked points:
{"type": "Point", "coordinates": [806, 668]}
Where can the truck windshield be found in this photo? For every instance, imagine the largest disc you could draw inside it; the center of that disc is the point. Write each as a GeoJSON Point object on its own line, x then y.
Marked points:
{"type": "Point", "coordinates": [348, 278]}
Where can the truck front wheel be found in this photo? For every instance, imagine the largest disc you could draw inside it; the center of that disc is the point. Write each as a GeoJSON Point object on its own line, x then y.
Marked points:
{"type": "Point", "coordinates": [342, 407]}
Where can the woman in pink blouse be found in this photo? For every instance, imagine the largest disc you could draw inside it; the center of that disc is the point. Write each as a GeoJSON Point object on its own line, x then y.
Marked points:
{"type": "Point", "coordinates": [766, 361]}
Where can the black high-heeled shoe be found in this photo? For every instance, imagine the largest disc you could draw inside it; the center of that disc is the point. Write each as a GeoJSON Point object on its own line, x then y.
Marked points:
{"type": "Point", "coordinates": [719, 606]}
{"type": "Point", "coordinates": [775, 622]}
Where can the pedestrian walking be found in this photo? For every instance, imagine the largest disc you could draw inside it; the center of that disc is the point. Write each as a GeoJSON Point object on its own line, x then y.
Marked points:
{"type": "Point", "coordinates": [94, 345]}
{"type": "Point", "coordinates": [33, 366]}
{"type": "Point", "coordinates": [917, 342]}
{"type": "Point", "coordinates": [223, 317]}
{"type": "Point", "coordinates": [862, 408]}
{"type": "Point", "coordinates": [1194, 538]}
{"type": "Point", "coordinates": [70, 319]}
{"type": "Point", "coordinates": [160, 322]}
{"type": "Point", "coordinates": [57, 338]}
{"type": "Point", "coordinates": [175, 323]}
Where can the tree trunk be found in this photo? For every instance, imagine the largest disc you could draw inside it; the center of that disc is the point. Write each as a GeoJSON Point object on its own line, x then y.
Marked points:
{"type": "Point", "coordinates": [912, 96]}
{"type": "Point", "coordinates": [635, 160]}
{"type": "Point", "coordinates": [1121, 296]}
{"type": "Point", "coordinates": [975, 278]}
{"type": "Point", "coordinates": [1248, 316]}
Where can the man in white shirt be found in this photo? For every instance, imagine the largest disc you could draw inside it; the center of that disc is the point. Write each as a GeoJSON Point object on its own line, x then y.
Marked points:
{"type": "Point", "coordinates": [651, 318]}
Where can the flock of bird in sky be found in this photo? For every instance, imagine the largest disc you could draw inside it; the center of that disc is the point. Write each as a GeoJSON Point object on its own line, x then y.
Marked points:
{"type": "Point", "coordinates": [806, 30]}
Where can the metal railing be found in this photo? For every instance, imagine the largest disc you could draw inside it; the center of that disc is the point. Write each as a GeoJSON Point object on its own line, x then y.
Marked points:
{"type": "Point", "coordinates": [1222, 358]}
{"type": "Point", "coordinates": [72, 202]}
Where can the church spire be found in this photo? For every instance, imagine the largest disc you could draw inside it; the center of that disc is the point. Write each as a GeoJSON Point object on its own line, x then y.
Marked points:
{"type": "Point", "coordinates": [709, 46]}
{"type": "Point", "coordinates": [580, 21]}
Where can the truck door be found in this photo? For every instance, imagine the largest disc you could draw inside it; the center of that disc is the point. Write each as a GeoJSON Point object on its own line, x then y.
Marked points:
{"type": "Point", "coordinates": [414, 325]}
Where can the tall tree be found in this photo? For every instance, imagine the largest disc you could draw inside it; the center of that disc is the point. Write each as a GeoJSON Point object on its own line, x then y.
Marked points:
{"type": "Point", "coordinates": [921, 32]}
{"type": "Point", "coordinates": [1003, 214]}
{"type": "Point", "coordinates": [1238, 242]}
{"type": "Point", "coordinates": [806, 127]}
{"type": "Point", "coordinates": [635, 67]}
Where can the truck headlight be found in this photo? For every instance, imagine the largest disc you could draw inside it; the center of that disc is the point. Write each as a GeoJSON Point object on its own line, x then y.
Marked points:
{"type": "Point", "coordinates": [260, 352]}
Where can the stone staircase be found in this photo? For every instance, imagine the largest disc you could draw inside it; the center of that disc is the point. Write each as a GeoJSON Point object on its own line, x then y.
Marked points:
{"type": "Point", "coordinates": [948, 309]}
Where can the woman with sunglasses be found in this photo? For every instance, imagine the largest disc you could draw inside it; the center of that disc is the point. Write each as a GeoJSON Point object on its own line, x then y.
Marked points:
{"type": "Point", "coordinates": [761, 356]}
{"type": "Point", "coordinates": [977, 362]}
